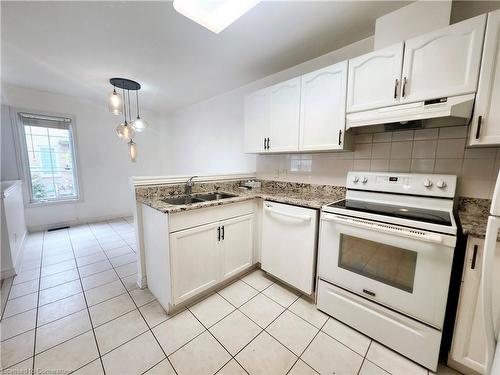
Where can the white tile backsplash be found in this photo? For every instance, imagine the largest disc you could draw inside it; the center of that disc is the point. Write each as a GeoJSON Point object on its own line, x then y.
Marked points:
{"type": "Point", "coordinates": [423, 134]}
{"type": "Point", "coordinates": [431, 150]}
{"type": "Point", "coordinates": [381, 150]}
{"type": "Point", "coordinates": [401, 150]}
{"type": "Point", "coordinates": [424, 149]}
{"type": "Point", "coordinates": [453, 132]}
{"type": "Point", "coordinates": [450, 148]}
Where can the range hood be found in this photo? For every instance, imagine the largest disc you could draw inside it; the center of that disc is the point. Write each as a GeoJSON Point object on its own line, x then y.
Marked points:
{"type": "Point", "coordinates": [455, 106]}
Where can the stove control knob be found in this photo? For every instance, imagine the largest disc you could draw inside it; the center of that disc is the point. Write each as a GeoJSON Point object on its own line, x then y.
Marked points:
{"type": "Point", "coordinates": [364, 180]}
{"type": "Point", "coordinates": [355, 179]}
{"type": "Point", "coordinates": [427, 183]}
{"type": "Point", "coordinates": [441, 184]}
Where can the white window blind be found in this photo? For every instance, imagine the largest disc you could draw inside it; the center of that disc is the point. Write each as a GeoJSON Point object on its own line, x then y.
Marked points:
{"type": "Point", "coordinates": [49, 157]}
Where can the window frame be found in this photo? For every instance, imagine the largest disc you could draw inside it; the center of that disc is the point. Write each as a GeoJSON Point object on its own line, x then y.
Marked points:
{"type": "Point", "coordinates": [24, 159]}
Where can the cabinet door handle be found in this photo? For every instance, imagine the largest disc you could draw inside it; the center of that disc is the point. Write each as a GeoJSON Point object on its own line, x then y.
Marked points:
{"type": "Point", "coordinates": [218, 233]}
{"type": "Point", "coordinates": [223, 233]}
{"type": "Point", "coordinates": [474, 257]}
{"type": "Point", "coordinates": [403, 93]}
{"type": "Point", "coordinates": [478, 129]}
{"type": "Point", "coordinates": [268, 147]}
{"type": "Point", "coordinates": [340, 137]}
{"type": "Point", "coordinates": [265, 147]}
{"type": "Point", "coordinates": [396, 84]}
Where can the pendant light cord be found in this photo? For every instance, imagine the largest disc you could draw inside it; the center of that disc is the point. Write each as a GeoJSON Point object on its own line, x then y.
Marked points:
{"type": "Point", "coordinates": [129, 112]}
{"type": "Point", "coordinates": [137, 97]}
{"type": "Point", "coordinates": [124, 107]}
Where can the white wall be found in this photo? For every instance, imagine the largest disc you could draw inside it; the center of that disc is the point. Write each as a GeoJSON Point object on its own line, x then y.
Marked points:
{"type": "Point", "coordinates": [207, 137]}
{"type": "Point", "coordinates": [103, 163]}
{"type": "Point", "coordinates": [9, 166]}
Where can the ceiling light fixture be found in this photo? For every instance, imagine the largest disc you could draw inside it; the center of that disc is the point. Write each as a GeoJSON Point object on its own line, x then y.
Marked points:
{"type": "Point", "coordinates": [119, 104]}
{"type": "Point", "coordinates": [215, 15]}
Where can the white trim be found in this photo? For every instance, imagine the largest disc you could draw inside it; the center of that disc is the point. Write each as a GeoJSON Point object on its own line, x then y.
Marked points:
{"type": "Point", "coordinates": [157, 180]}
{"type": "Point", "coordinates": [7, 191]}
{"type": "Point", "coordinates": [20, 255]}
{"type": "Point", "coordinates": [79, 221]}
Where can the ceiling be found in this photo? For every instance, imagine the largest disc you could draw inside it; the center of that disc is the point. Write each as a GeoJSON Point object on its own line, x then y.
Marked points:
{"type": "Point", "coordinates": [74, 48]}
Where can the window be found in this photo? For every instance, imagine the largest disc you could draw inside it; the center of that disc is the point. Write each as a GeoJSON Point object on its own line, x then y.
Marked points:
{"type": "Point", "coordinates": [49, 158]}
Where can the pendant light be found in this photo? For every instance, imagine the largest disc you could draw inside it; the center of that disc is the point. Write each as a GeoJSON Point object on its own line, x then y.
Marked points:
{"type": "Point", "coordinates": [115, 102]}
{"type": "Point", "coordinates": [124, 130]}
{"type": "Point", "coordinates": [138, 124]}
{"type": "Point", "coordinates": [119, 104]}
{"type": "Point", "coordinates": [132, 150]}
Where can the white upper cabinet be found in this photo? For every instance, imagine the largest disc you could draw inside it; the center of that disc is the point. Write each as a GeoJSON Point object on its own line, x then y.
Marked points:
{"type": "Point", "coordinates": [375, 79]}
{"type": "Point", "coordinates": [284, 116]}
{"type": "Point", "coordinates": [485, 128]}
{"type": "Point", "coordinates": [256, 120]}
{"type": "Point", "coordinates": [444, 62]}
{"type": "Point", "coordinates": [322, 108]}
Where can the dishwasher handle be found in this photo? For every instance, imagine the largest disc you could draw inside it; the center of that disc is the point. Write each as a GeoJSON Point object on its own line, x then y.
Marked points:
{"type": "Point", "coordinates": [286, 214]}
{"type": "Point", "coordinates": [386, 228]}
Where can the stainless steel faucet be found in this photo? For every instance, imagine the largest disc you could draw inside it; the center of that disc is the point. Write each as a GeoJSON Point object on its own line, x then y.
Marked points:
{"type": "Point", "coordinates": [188, 188]}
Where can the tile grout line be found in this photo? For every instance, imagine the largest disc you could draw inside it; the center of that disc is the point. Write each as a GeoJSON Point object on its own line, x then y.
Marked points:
{"type": "Point", "coordinates": [142, 316]}
{"type": "Point", "coordinates": [299, 358]}
{"type": "Point", "coordinates": [216, 339]}
{"type": "Point", "coordinates": [88, 310]}
{"type": "Point", "coordinates": [186, 308]}
{"type": "Point", "coordinates": [261, 329]}
{"type": "Point", "coordinates": [7, 299]}
{"type": "Point", "coordinates": [37, 304]}
{"type": "Point", "coordinates": [288, 309]}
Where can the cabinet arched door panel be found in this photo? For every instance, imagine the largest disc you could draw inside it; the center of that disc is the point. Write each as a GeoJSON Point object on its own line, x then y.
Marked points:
{"type": "Point", "coordinates": [443, 63]}
{"type": "Point", "coordinates": [322, 112]}
{"type": "Point", "coordinates": [375, 79]}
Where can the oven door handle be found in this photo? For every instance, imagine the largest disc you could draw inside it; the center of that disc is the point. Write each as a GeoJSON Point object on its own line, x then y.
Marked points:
{"type": "Point", "coordinates": [386, 228]}
{"type": "Point", "coordinates": [292, 216]}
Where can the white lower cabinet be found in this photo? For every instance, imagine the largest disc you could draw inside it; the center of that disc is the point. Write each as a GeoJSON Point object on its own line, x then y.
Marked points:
{"type": "Point", "coordinates": [468, 348]}
{"type": "Point", "coordinates": [188, 253]}
{"type": "Point", "coordinates": [236, 245]}
{"type": "Point", "coordinates": [289, 244]}
{"type": "Point", "coordinates": [194, 261]}
{"type": "Point", "coordinates": [205, 255]}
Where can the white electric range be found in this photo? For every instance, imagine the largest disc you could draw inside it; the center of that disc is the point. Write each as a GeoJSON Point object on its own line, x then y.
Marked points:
{"type": "Point", "coordinates": [385, 259]}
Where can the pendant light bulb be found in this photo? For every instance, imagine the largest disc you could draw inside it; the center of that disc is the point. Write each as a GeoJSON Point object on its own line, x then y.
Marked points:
{"type": "Point", "coordinates": [115, 103]}
{"type": "Point", "coordinates": [132, 150]}
{"type": "Point", "coordinates": [139, 124]}
{"type": "Point", "coordinates": [125, 131]}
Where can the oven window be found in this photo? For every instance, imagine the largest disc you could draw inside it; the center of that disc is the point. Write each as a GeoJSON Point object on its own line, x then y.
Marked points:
{"type": "Point", "coordinates": [388, 264]}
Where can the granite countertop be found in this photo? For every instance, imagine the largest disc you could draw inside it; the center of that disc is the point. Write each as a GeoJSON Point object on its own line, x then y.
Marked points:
{"type": "Point", "coordinates": [473, 214]}
{"type": "Point", "coordinates": [312, 196]}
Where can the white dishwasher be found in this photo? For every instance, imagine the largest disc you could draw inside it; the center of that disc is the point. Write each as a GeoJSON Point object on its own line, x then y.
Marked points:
{"type": "Point", "coordinates": [289, 243]}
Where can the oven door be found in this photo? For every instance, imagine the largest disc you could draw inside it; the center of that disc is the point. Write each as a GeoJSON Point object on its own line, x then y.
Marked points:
{"type": "Point", "coordinates": [402, 268]}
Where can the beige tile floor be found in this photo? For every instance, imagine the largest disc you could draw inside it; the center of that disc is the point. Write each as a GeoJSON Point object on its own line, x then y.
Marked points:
{"type": "Point", "coordinates": [75, 307]}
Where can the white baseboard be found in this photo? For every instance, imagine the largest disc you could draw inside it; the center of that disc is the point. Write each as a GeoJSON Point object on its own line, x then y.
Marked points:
{"type": "Point", "coordinates": [80, 221]}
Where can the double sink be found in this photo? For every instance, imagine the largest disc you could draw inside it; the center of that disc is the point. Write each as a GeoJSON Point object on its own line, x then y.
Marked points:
{"type": "Point", "coordinates": [196, 198]}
